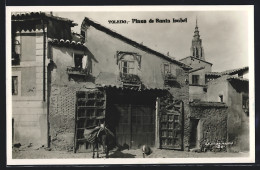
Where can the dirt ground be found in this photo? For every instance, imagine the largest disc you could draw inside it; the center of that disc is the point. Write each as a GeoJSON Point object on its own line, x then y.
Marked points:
{"type": "Point", "coordinates": [42, 153]}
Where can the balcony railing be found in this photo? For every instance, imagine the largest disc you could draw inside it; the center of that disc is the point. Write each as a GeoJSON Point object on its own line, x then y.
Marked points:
{"type": "Point", "coordinates": [77, 71]}
{"type": "Point", "coordinates": [170, 77]}
{"type": "Point", "coordinates": [130, 79]}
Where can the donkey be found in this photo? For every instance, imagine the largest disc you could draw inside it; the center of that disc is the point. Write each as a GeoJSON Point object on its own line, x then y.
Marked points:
{"type": "Point", "coordinates": [99, 135]}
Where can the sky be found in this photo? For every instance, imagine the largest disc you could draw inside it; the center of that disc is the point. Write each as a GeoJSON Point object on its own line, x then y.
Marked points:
{"type": "Point", "coordinates": [224, 34]}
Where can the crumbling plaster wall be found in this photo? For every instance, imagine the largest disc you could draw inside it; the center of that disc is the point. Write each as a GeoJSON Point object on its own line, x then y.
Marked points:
{"type": "Point", "coordinates": [238, 121]}
{"type": "Point", "coordinates": [213, 122]}
{"type": "Point", "coordinates": [62, 98]}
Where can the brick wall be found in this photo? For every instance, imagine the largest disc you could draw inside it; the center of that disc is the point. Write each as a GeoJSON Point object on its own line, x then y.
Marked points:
{"type": "Point", "coordinates": [62, 115]}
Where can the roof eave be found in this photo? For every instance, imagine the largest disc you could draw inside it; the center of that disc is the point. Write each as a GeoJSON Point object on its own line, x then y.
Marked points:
{"type": "Point", "coordinates": [195, 58]}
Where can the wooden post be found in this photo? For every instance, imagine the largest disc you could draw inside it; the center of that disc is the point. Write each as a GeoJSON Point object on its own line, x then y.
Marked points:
{"type": "Point", "coordinates": [157, 137]}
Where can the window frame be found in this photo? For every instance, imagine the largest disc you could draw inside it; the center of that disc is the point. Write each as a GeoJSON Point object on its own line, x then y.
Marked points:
{"type": "Point", "coordinates": [127, 67]}
{"type": "Point", "coordinates": [16, 54]}
{"type": "Point", "coordinates": [245, 101]}
{"type": "Point", "coordinates": [75, 55]}
{"type": "Point", "coordinates": [18, 75]}
{"type": "Point", "coordinates": [122, 56]}
{"type": "Point", "coordinates": [15, 85]}
{"type": "Point", "coordinates": [195, 77]}
{"type": "Point", "coordinates": [169, 68]}
{"type": "Point", "coordinates": [221, 98]}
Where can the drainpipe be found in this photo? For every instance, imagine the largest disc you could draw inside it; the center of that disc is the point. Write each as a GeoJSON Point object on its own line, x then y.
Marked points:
{"type": "Point", "coordinates": [44, 81]}
{"type": "Point", "coordinates": [44, 55]}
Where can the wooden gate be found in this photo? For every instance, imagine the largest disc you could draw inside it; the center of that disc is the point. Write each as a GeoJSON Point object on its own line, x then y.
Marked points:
{"type": "Point", "coordinates": [136, 125]}
{"type": "Point", "coordinates": [90, 107]}
{"type": "Point", "coordinates": [171, 126]}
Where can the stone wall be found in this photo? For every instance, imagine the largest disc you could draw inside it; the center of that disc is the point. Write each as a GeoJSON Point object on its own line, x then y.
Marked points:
{"type": "Point", "coordinates": [213, 122]}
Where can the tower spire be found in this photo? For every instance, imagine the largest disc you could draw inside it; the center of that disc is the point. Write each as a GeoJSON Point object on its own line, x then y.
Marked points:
{"type": "Point", "coordinates": [196, 22]}
{"type": "Point", "coordinates": [196, 47]}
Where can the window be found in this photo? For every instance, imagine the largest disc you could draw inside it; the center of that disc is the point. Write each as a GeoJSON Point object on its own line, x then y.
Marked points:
{"type": "Point", "coordinates": [245, 104]}
{"type": "Point", "coordinates": [127, 67]}
{"type": "Point", "coordinates": [167, 68]}
{"type": "Point", "coordinates": [78, 61]}
{"type": "Point", "coordinates": [128, 62]}
{"type": "Point", "coordinates": [14, 85]}
{"type": "Point", "coordinates": [16, 51]}
{"type": "Point", "coordinates": [220, 98]}
{"type": "Point", "coordinates": [17, 46]}
{"type": "Point", "coordinates": [80, 69]}
{"type": "Point", "coordinates": [195, 79]}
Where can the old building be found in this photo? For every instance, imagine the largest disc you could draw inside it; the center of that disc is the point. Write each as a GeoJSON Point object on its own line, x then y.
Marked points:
{"type": "Point", "coordinates": [226, 87]}
{"type": "Point", "coordinates": [126, 83]}
{"type": "Point", "coordinates": [29, 73]}
{"type": "Point", "coordinates": [65, 82]}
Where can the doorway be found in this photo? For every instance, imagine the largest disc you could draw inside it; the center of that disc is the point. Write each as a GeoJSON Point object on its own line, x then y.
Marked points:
{"type": "Point", "coordinates": [195, 133]}
{"type": "Point", "coordinates": [135, 126]}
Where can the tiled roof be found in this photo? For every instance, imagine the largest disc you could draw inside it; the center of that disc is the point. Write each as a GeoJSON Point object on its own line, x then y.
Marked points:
{"type": "Point", "coordinates": [235, 71]}
{"type": "Point", "coordinates": [77, 37]}
{"type": "Point", "coordinates": [228, 72]}
{"type": "Point", "coordinates": [89, 22]}
{"type": "Point", "coordinates": [66, 43]}
{"type": "Point", "coordinates": [18, 16]}
{"type": "Point", "coordinates": [207, 104]}
{"type": "Point", "coordinates": [213, 74]}
{"type": "Point", "coordinates": [229, 78]}
{"type": "Point", "coordinates": [237, 78]}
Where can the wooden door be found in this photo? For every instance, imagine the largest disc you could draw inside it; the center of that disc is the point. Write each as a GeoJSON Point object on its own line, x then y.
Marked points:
{"type": "Point", "coordinates": [143, 126]}
{"type": "Point", "coordinates": [136, 125]}
{"type": "Point", "coordinates": [90, 106]}
{"type": "Point", "coordinates": [171, 128]}
{"type": "Point", "coordinates": [123, 128]}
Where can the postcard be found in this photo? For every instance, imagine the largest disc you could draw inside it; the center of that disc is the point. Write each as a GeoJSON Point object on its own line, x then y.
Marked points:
{"type": "Point", "coordinates": [130, 85]}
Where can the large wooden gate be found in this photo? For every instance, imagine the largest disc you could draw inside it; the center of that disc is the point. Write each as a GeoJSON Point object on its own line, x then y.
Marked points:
{"type": "Point", "coordinates": [171, 126]}
{"type": "Point", "coordinates": [90, 107]}
{"type": "Point", "coordinates": [136, 125]}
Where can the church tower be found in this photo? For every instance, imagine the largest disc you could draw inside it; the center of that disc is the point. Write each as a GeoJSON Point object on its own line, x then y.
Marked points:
{"type": "Point", "coordinates": [196, 47]}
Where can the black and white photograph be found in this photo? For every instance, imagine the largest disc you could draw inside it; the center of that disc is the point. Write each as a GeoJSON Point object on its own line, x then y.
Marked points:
{"type": "Point", "coordinates": [130, 85]}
